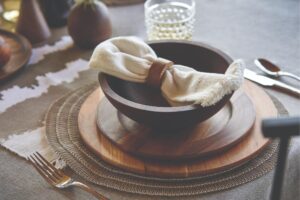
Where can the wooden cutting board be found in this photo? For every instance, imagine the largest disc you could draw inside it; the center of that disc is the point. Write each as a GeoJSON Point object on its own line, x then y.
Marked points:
{"type": "Point", "coordinates": [247, 148]}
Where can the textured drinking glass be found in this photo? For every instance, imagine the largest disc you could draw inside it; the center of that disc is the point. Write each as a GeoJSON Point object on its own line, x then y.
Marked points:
{"type": "Point", "coordinates": [170, 19]}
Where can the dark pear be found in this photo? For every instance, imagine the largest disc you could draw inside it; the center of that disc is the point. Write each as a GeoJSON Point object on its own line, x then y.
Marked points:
{"type": "Point", "coordinates": [89, 24]}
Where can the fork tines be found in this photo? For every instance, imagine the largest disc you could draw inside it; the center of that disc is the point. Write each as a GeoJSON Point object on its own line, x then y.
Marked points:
{"type": "Point", "coordinates": [45, 168]}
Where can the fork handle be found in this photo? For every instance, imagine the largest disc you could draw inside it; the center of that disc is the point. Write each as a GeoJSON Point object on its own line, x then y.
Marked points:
{"type": "Point", "coordinates": [89, 190]}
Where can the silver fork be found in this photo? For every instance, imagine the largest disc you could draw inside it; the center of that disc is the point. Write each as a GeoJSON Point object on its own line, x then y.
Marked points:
{"type": "Point", "coordinates": [57, 177]}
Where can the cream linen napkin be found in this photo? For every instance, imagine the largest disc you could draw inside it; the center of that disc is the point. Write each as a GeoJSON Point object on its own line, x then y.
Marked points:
{"type": "Point", "coordinates": [129, 58]}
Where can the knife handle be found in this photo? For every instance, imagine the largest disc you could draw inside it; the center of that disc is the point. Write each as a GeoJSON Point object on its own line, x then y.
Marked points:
{"type": "Point", "coordinates": [287, 87]}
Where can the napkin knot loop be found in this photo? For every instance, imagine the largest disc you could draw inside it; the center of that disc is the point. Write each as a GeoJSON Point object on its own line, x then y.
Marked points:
{"type": "Point", "coordinates": [156, 72]}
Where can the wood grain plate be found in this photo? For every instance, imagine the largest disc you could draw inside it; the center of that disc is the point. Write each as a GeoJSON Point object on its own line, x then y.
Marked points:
{"type": "Point", "coordinates": [20, 53]}
{"type": "Point", "coordinates": [246, 149]}
{"type": "Point", "coordinates": [217, 134]}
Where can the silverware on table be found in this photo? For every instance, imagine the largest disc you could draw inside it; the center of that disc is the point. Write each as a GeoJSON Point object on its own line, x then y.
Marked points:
{"type": "Point", "coordinates": [265, 81]}
{"type": "Point", "coordinates": [57, 177]}
{"type": "Point", "coordinates": [272, 69]}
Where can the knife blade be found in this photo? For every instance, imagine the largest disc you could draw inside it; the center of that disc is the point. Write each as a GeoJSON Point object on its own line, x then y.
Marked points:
{"type": "Point", "coordinates": [265, 81]}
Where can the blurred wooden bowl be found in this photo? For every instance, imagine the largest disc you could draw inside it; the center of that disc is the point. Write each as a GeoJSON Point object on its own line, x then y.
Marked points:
{"type": "Point", "coordinates": [147, 106]}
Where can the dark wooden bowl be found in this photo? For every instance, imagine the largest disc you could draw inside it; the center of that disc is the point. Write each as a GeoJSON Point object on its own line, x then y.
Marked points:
{"type": "Point", "coordinates": [147, 106]}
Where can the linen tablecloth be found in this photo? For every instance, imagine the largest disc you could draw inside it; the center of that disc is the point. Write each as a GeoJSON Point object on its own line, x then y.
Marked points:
{"type": "Point", "coordinates": [243, 29]}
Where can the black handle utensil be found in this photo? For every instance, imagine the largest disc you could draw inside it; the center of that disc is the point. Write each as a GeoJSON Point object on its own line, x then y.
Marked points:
{"type": "Point", "coordinates": [284, 129]}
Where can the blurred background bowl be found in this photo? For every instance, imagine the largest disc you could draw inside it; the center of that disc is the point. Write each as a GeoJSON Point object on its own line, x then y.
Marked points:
{"type": "Point", "coordinates": [147, 106]}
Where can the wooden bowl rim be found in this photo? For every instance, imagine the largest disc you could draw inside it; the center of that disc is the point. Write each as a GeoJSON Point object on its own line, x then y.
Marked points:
{"type": "Point", "coordinates": [161, 109]}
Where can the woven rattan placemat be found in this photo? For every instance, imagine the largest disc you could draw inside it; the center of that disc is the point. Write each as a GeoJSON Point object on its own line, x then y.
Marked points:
{"type": "Point", "coordinates": [63, 135]}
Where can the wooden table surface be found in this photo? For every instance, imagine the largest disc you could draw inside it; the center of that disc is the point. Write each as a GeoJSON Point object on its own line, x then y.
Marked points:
{"type": "Point", "coordinates": [243, 29]}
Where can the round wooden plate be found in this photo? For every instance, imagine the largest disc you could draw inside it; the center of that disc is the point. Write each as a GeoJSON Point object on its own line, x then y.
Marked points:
{"type": "Point", "coordinates": [217, 134]}
{"type": "Point", "coordinates": [247, 148]}
{"type": "Point", "coordinates": [20, 53]}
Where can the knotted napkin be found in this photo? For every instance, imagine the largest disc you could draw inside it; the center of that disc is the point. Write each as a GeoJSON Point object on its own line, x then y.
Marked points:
{"type": "Point", "coordinates": [131, 59]}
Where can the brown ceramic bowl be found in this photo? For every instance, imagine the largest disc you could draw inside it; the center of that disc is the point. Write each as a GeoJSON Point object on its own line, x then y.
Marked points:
{"type": "Point", "coordinates": [147, 106]}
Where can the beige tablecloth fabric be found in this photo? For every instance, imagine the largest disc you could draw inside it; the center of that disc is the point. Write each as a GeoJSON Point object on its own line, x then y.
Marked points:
{"type": "Point", "coordinates": [267, 33]}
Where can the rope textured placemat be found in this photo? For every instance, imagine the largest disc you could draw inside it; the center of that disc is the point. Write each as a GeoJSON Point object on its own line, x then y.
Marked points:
{"type": "Point", "coordinates": [63, 135]}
